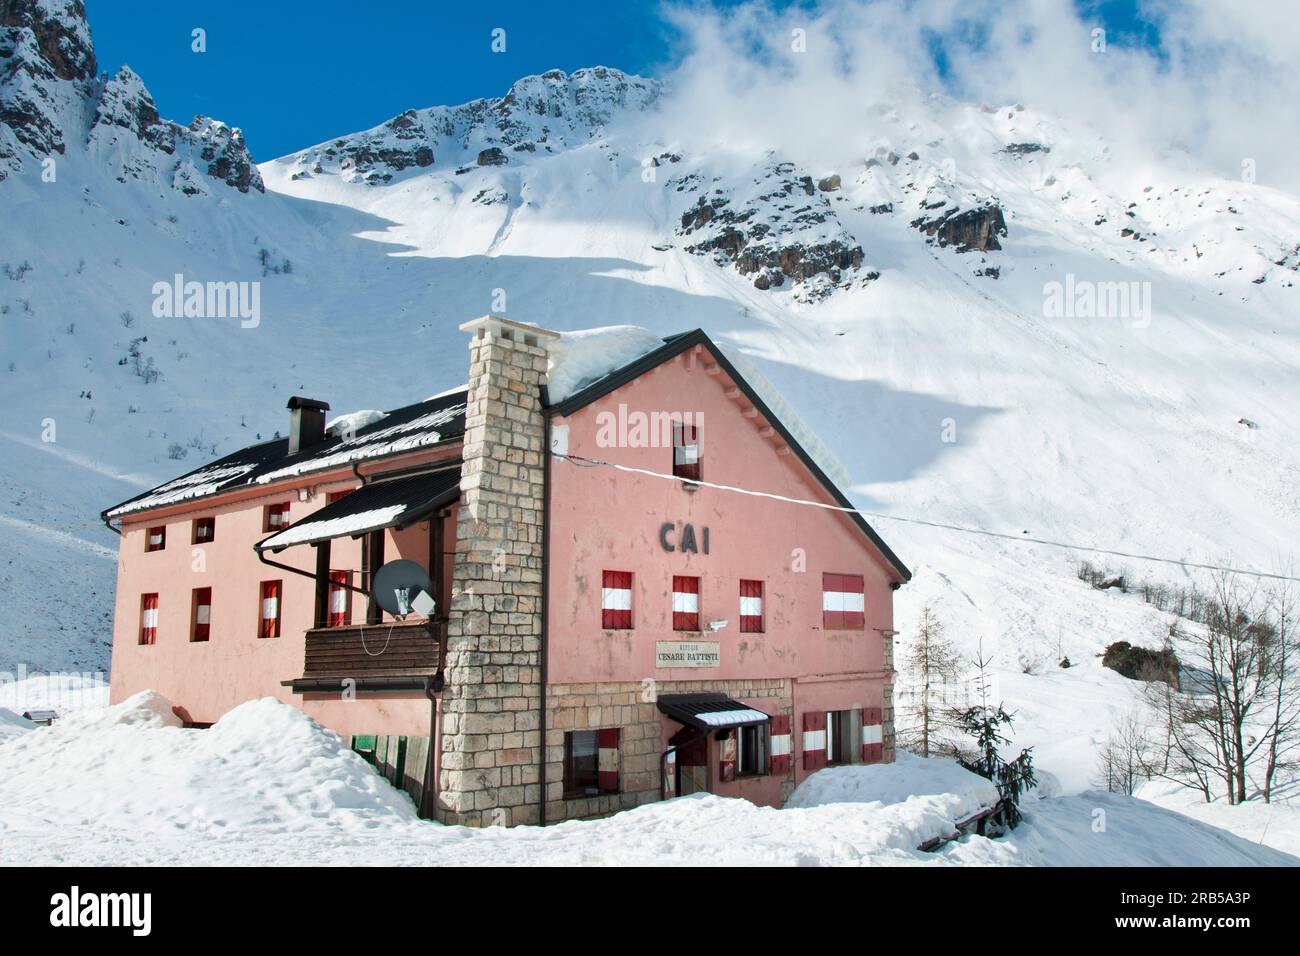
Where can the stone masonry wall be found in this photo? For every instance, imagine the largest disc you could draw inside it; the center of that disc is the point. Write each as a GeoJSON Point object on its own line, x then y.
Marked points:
{"type": "Point", "coordinates": [630, 706]}
{"type": "Point", "coordinates": [491, 738]}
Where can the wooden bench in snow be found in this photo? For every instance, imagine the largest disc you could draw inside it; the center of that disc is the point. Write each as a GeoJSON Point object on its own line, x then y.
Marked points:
{"type": "Point", "coordinates": [44, 717]}
{"type": "Point", "coordinates": [980, 822]}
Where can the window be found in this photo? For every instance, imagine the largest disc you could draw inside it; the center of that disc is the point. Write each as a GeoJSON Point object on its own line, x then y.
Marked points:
{"type": "Point", "coordinates": [686, 603]}
{"type": "Point", "coordinates": [334, 496]}
{"type": "Point", "coordinates": [751, 607]}
{"type": "Point", "coordinates": [590, 762]}
{"type": "Point", "coordinates": [839, 736]}
{"type": "Point", "coordinates": [686, 451]}
{"type": "Point", "coordinates": [200, 614]}
{"type": "Point", "coordinates": [276, 517]}
{"type": "Point", "coordinates": [156, 539]}
{"type": "Point", "coordinates": [843, 608]}
{"type": "Point", "coordinates": [205, 529]}
{"type": "Point", "coordinates": [751, 750]}
{"type": "Point", "coordinates": [340, 607]}
{"type": "Point", "coordinates": [269, 624]}
{"type": "Point", "coordinates": [616, 600]}
{"type": "Point", "coordinates": [148, 619]}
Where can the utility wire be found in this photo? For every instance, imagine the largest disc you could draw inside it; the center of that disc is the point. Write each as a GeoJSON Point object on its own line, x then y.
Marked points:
{"type": "Point", "coordinates": [598, 463]}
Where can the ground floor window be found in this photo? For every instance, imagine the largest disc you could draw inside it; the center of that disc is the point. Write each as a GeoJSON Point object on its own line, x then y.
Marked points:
{"type": "Point", "coordinates": [751, 751]}
{"type": "Point", "coordinates": [839, 736]}
{"type": "Point", "coordinates": [591, 762]}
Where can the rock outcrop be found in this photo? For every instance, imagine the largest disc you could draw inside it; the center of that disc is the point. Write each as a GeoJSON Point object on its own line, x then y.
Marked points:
{"type": "Point", "coordinates": [51, 101]}
{"type": "Point", "coordinates": [975, 229]}
{"type": "Point", "coordinates": [780, 229]}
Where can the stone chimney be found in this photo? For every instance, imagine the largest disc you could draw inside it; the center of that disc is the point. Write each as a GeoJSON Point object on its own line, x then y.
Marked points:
{"type": "Point", "coordinates": [306, 423]}
{"type": "Point", "coordinates": [491, 729]}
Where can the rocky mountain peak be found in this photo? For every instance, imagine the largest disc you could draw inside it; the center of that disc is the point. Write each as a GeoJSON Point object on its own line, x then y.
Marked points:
{"type": "Point", "coordinates": [51, 100]}
{"type": "Point", "coordinates": [58, 32]}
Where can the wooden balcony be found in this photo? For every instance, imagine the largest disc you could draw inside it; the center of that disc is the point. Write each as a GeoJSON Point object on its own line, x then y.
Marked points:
{"type": "Point", "coordinates": [393, 656]}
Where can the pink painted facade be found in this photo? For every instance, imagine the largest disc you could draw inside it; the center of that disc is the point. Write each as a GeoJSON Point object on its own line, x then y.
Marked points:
{"type": "Point", "coordinates": [605, 519]}
{"type": "Point", "coordinates": [601, 682]}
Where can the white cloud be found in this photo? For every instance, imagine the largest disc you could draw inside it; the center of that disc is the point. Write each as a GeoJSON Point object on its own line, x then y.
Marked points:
{"type": "Point", "coordinates": [1222, 87]}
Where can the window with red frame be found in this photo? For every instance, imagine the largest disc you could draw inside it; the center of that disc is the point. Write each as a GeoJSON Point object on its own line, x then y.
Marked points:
{"type": "Point", "coordinates": [751, 607]}
{"type": "Point", "coordinates": [616, 600]}
{"type": "Point", "coordinates": [148, 619]}
{"type": "Point", "coordinates": [201, 614]}
{"type": "Point", "coordinates": [334, 496]}
{"type": "Point", "coordinates": [843, 604]}
{"type": "Point", "coordinates": [687, 461]}
{"type": "Point", "coordinates": [686, 603]}
{"type": "Point", "coordinates": [276, 517]}
{"type": "Point", "coordinates": [205, 529]}
{"type": "Point", "coordinates": [340, 608]}
{"type": "Point", "coordinates": [156, 538]}
{"type": "Point", "coordinates": [269, 623]}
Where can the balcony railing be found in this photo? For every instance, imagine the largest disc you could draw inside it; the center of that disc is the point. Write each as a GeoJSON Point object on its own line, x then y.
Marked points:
{"type": "Point", "coordinates": [374, 652]}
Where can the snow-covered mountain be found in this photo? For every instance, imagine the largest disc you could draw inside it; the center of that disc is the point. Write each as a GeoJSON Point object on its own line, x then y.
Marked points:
{"type": "Point", "coordinates": [987, 316]}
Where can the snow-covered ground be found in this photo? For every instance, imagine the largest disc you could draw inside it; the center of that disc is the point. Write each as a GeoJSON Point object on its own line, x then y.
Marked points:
{"type": "Point", "coordinates": [950, 395]}
{"type": "Point", "coordinates": [124, 785]}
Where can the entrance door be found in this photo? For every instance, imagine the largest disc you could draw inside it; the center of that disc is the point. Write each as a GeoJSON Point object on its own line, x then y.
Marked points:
{"type": "Point", "coordinates": [693, 767]}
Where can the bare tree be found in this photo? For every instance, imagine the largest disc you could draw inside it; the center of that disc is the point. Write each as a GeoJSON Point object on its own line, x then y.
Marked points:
{"type": "Point", "coordinates": [1125, 757]}
{"type": "Point", "coordinates": [935, 662]}
{"type": "Point", "coordinates": [1282, 738]}
{"type": "Point", "coordinates": [1236, 699]}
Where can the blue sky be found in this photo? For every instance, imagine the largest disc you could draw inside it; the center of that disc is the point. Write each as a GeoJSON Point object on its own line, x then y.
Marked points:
{"type": "Point", "coordinates": [292, 75]}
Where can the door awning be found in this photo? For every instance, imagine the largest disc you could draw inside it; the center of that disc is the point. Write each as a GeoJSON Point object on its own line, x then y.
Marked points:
{"type": "Point", "coordinates": [709, 711]}
{"type": "Point", "coordinates": [395, 503]}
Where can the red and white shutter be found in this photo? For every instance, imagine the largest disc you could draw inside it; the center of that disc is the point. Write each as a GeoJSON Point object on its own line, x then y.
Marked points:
{"type": "Point", "coordinates": [277, 516]}
{"type": "Point", "coordinates": [751, 607]}
{"type": "Point", "coordinates": [149, 619]}
{"type": "Point", "coordinates": [270, 623]}
{"type": "Point", "coordinates": [814, 739]}
{"type": "Point", "coordinates": [781, 743]}
{"type": "Point", "coordinates": [157, 538]}
{"type": "Point", "coordinates": [616, 600]}
{"type": "Point", "coordinates": [607, 760]}
{"type": "Point", "coordinates": [686, 603]}
{"type": "Point", "coordinates": [873, 735]}
{"type": "Point", "coordinates": [843, 602]}
{"type": "Point", "coordinates": [338, 608]}
{"type": "Point", "coordinates": [202, 613]}
{"type": "Point", "coordinates": [686, 451]}
{"type": "Point", "coordinates": [727, 756]}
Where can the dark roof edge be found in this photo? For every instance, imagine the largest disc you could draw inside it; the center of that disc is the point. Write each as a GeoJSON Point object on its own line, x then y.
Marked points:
{"type": "Point", "coordinates": [676, 345]}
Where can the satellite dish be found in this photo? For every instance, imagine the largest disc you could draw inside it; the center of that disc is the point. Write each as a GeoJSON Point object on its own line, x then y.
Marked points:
{"type": "Point", "coordinates": [403, 588]}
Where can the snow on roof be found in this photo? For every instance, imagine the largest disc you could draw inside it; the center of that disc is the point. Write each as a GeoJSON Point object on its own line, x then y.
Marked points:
{"type": "Point", "coordinates": [376, 434]}
{"type": "Point", "coordinates": [337, 527]}
{"type": "Point", "coordinates": [419, 432]}
{"type": "Point", "coordinates": [351, 423]}
{"type": "Point", "coordinates": [577, 359]}
{"type": "Point", "coordinates": [196, 484]}
{"type": "Point", "coordinates": [731, 718]}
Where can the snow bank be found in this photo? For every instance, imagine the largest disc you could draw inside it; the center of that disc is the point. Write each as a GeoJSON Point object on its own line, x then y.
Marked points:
{"type": "Point", "coordinates": [61, 693]}
{"type": "Point", "coordinates": [266, 785]}
{"type": "Point", "coordinates": [131, 767]}
{"type": "Point", "coordinates": [579, 358]}
{"type": "Point", "coordinates": [13, 725]}
{"type": "Point", "coordinates": [910, 777]}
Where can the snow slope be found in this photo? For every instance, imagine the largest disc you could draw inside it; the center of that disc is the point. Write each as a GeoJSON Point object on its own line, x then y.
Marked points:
{"type": "Point", "coordinates": [950, 395]}
{"type": "Point", "coordinates": [266, 785]}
